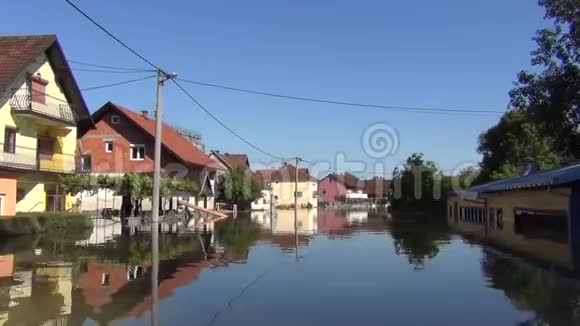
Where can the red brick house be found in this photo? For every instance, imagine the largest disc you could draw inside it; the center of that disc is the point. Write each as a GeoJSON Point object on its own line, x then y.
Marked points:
{"type": "Point", "coordinates": [336, 186]}
{"type": "Point", "coordinates": [123, 142]}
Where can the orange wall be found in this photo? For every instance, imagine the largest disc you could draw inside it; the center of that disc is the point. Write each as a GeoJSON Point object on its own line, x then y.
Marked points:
{"type": "Point", "coordinates": [8, 191]}
{"type": "Point", "coordinates": [6, 266]}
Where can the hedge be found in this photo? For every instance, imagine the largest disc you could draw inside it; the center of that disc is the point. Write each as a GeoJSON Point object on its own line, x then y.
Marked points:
{"type": "Point", "coordinates": [44, 222]}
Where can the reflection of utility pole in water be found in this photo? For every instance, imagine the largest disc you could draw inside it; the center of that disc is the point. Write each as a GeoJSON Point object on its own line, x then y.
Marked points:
{"type": "Point", "coordinates": [296, 210]}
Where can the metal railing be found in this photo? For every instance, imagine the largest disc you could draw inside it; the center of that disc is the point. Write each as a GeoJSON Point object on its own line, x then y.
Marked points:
{"type": "Point", "coordinates": [53, 108]}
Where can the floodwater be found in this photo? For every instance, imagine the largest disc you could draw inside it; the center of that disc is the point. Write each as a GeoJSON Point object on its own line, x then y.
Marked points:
{"type": "Point", "coordinates": [339, 268]}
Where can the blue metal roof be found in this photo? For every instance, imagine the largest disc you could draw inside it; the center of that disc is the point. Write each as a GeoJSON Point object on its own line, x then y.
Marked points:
{"type": "Point", "coordinates": [550, 178]}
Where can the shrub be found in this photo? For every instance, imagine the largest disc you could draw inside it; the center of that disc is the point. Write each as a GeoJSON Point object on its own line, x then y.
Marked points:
{"type": "Point", "coordinates": [53, 222]}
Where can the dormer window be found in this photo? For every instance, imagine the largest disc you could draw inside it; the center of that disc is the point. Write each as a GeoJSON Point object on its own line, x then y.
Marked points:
{"type": "Point", "coordinates": [37, 88]}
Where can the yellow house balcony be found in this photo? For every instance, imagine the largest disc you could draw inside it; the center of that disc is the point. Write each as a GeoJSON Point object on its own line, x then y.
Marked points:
{"type": "Point", "coordinates": [22, 159]}
{"type": "Point", "coordinates": [25, 158]}
{"type": "Point", "coordinates": [61, 163]}
{"type": "Point", "coordinates": [44, 109]}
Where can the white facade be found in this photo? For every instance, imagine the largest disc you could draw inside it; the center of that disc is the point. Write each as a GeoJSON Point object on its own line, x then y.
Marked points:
{"type": "Point", "coordinates": [263, 203]}
{"type": "Point", "coordinates": [359, 194]}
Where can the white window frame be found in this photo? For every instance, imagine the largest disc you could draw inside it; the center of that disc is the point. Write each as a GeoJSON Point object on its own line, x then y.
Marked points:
{"type": "Point", "coordinates": [2, 199]}
{"type": "Point", "coordinates": [133, 147]}
{"type": "Point", "coordinates": [115, 119]}
{"type": "Point", "coordinates": [107, 142]}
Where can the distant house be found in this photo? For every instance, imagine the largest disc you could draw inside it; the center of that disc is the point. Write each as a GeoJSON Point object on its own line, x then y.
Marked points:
{"type": "Point", "coordinates": [42, 111]}
{"type": "Point", "coordinates": [230, 161]}
{"type": "Point", "coordinates": [340, 187]}
{"type": "Point", "coordinates": [123, 142]}
{"type": "Point", "coordinates": [281, 182]}
{"type": "Point", "coordinates": [378, 190]}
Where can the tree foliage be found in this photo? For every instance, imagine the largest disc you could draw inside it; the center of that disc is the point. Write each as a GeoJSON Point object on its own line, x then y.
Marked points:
{"type": "Point", "coordinates": [515, 139]}
{"type": "Point", "coordinates": [418, 185]}
{"type": "Point", "coordinates": [238, 186]}
{"type": "Point", "coordinates": [137, 186]}
{"type": "Point", "coordinates": [544, 112]}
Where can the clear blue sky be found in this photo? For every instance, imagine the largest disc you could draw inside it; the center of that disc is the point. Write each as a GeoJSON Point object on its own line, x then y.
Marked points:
{"type": "Point", "coordinates": [449, 53]}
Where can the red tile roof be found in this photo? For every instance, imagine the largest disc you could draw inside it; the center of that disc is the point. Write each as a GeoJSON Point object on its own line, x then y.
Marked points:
{"type": "Point", "coordinates": [17, 52]}
{"type": "Point", "coordinates": [377, 186]}
{"type": "Point", "coordinates": [350, 181]}
{"type": "Point", "coordinates": [235, 160]}
{"type": "Point", "coordinates": [286, 173]}
{"type": "Point", "coordinates": [171, 139]}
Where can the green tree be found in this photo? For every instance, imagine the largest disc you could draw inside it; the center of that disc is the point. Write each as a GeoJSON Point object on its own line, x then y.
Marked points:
{"type": "Point", "coordinates": [238, 186]}
{"type": "Point", "coordinates": [418, 186]}
{"type": "Point", "coordinates": [551, 96]}
{"type": "Point", "coordinates": [515, 139]}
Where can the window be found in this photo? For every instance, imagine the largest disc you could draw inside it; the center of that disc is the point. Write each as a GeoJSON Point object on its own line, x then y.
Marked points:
{"type": "Point", "coordinates": [499, 216]}
{"type": "Point", "coordinates": [298, 194]}
{"type": "Point", "coordinates": [115, 119]}
{"type": "Point", "coordinates": [37, 88]}
{"type": "Point", "coordinates": [9, 140]}
{"type": "Point", "coordinates": [137, 152]}
{"type": "Point", "coordinates": [45, 148]}
{"type": "Point", "coordinates": [108, 146]}
{"type": "Point", "coordinates": [461, 213]}
{"type": "Point", "coordinates": [264, 201]}
{"type": "Point", "coordinates": [492, 218]}
{"type": "Point", "coordinates": [86, 162]}
{"type": "Point", "coordinates": [105, 279]}
{"type": "Point", "coordinates": [314, 193]}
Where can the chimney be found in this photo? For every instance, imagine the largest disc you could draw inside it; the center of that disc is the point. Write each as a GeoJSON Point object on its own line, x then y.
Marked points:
{"type": "Point", "coordinates": [145, 114]}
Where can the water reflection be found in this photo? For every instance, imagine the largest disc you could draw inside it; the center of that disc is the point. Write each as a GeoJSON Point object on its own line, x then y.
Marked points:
{"type": "Point", "coordinates": [105, 278]}
{"type": "Point", "coordinates": [553, 299]}
{"type": "Point", "coordinates": [420, 238]}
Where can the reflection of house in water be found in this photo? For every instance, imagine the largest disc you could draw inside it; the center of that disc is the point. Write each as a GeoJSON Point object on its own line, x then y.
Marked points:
{"type": "Point", "coordinates": [103, 231]}
{"type": "Point", "coordinates": [537, 214]}
{"type": "Point", "coordinates": [357, 217]}
{"type": "Point", "coordinates": [282, 221]}
{"type": "Point", "coordinates": [107, 291]}
{"type": "Point", "coordinates": [33, 294]}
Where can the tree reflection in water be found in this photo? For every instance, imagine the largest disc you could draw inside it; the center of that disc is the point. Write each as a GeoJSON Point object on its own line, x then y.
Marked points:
{"type": "Point", "coordinates": [552, 298]}
{"type": "Point", "coordinates": [418, 238]}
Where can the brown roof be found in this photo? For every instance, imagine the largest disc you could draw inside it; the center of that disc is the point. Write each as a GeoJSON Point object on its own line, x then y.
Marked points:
{"type": "Point", "coordinates": [233, 160]}
{"type": "Point", "coordinates": [377, 186]}
{"type": "Point", "coordinates": [350, 181]}
{"type": "Point", "coordinates": [171, 139]}
{"type": "Point", "coordinates": [18, 52]}
{"type": "Point", "coordinates": [286, 173]}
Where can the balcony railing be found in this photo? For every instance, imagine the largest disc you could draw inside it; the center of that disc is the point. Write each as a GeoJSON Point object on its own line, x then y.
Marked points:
{"type": "Point", "coordinates": [53, 109]}
{"type": "Point", "coordinates": [26, 158]}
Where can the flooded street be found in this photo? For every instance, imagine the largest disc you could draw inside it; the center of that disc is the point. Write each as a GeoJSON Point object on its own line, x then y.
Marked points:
{"type": "Point", "coordinates": [340, 268]}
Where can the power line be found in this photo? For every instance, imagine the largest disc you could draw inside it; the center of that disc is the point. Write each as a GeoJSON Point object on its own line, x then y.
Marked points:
{"type": "Point", "coordinates": [117, 84]}
{"type": "Point", "coordinates": [113, 36]}
{"type": "Point", "coordinates": [352, 104]}
{"type": "Point", "coordinates": [112, 71]}
{"type": "Point", "coordinates": [223, 124]}
{"type": "Point", "coordinates": [82, 63]}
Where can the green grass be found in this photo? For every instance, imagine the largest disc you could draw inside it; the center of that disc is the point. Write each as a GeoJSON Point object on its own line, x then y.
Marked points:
{"type": "Point", "coordinates": [44, 222]}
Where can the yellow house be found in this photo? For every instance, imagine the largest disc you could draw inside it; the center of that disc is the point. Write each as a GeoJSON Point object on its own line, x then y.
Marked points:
{"type": "Point", "coordinates": [282, 184]}
{"type": "Point", "coordinates": [41, 110]}
{"type": "Point", "coordinates": [537, 215]}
